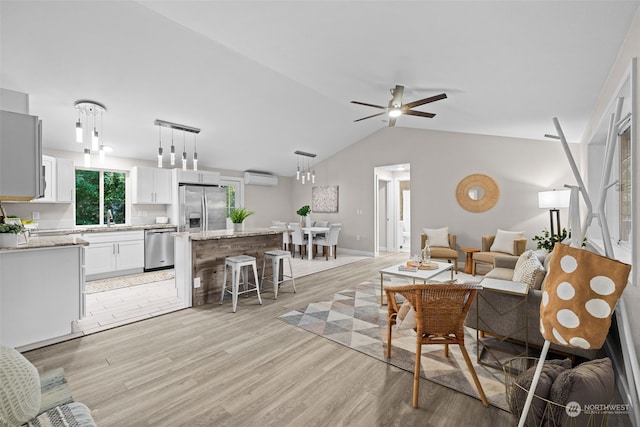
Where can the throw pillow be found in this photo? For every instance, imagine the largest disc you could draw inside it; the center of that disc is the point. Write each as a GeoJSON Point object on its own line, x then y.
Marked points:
{"type": "Point", "coordinates": [527, 268]}
{"type": "Point", "coordinates": [503, 241]}
{"type": "Point", "coordinates": [580, 293]}
{"type": "Point", "coordinates": [437, 236]}
{"type": "Point", "coordinates": [519, 390]}
{"type": "Point", "coordinates": [20, 394]}
{"type": "Point", "coordinates": [589, 383]}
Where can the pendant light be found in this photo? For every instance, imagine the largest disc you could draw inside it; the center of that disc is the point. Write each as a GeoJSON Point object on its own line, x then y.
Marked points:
{"type": "Point", "coordinates": [184, 153]}
{"type": "Point", "coordinates": [159, 147]}
{"type": "Point", "coordinates": [90, 109]}
{"type": "Point", "coordinates": [172, 155]}
{"type": "Point", "coordinates": [79, 130]}
{"type": "Point", "coordinates": [195, 153]}
{"type": "Point", "coordinates": [307, 174]}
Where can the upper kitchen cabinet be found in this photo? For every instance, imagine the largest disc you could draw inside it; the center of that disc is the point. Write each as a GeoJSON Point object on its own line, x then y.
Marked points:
{"type": "Point", "coordinates": [59, 176]}
{"type": "Point", "coordinates": [21, 174]}
{"type": "Point", "coordinates": [198, 177]}
{"type": "Point", "coordinates": [151, 185]}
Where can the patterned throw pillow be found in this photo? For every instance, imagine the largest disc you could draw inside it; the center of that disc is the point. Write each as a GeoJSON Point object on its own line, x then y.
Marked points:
{"type": "Point", "coordinates": [20, 394]}
{"type": "Point", "coordinates": [527, 266]}
{"type": "Point", "coordinates": [580, 293]}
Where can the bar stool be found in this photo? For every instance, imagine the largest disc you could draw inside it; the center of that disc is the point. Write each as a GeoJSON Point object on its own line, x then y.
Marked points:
{"type": "Point", "coordinates": [275, 256]}
{"type": "Point", "coordinates": [239, 264]}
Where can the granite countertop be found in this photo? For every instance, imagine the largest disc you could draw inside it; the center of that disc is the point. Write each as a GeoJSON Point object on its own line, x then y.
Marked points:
{"type": "Point", "coordinates": [99, 229]}
{"type": "Point", "coordinates": [48, 242]}
{"type": "Point", "coordinates": [229, 234]}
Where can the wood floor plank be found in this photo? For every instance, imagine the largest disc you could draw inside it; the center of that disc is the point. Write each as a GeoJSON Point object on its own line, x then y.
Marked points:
{"type": "Point", "coordinates": [207, 366]}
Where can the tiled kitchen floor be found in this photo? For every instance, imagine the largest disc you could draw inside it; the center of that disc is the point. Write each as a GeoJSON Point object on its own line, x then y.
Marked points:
{"type": "Point", "coordinates": [118, 307]}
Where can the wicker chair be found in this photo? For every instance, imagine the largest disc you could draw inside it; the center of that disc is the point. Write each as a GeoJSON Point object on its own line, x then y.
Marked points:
{"type": "Point", "coordinates": [440, 311]}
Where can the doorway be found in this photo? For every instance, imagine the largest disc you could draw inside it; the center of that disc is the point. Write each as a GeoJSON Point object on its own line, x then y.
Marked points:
{"type": "Point", "coordinates": [392, 209]}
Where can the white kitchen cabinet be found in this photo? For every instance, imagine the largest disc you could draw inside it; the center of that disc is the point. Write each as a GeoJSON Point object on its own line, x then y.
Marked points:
{"type": "Point", "coordinates": [151, 185]}
{"type": "Point", "coordinates": [65, 180]}
{"type": "Point", "coordinates": [41, 293]}
{"type": "Point", "coordinates": [113, 253]}
{"type": "Point", "coordinates": [21, 175]}
{"type": "Point", "coordinates": [59, 177]}
{"type": "Point", "coordinates": [198, 177]}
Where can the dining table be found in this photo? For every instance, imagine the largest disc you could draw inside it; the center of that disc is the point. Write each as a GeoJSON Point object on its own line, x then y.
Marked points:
{"type": "Point", "coordinates": [310, 232]}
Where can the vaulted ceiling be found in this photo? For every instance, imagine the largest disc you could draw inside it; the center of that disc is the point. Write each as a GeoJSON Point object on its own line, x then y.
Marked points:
{"type": "Point", "coordinates": [265, 78]}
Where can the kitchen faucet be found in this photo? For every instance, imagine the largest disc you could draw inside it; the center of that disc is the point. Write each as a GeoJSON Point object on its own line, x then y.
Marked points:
{"type": "Point", "coordinates": [109, 217]}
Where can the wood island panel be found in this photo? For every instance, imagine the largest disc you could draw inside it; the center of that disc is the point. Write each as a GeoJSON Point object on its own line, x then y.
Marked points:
{"type": "Point", "coordinates": [208, 261]}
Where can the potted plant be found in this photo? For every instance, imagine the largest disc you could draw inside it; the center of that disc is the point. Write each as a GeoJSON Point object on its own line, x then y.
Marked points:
{"type": "Point", "coordinates": [304, 212]}
{"type": "Point", "coordinates": [9, 235]}
{"type": "Point", "coordinates": [237, 216]}
{"type": "Point", "coordinates": [547, 241]}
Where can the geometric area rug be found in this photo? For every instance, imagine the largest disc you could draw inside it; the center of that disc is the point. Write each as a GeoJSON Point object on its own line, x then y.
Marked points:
{"type": "Point", "coordinates": [354, 318]}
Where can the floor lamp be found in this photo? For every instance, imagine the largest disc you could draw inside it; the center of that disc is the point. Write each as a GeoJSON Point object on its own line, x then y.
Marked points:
{"type": "Point", "coordinates": [553, 200]}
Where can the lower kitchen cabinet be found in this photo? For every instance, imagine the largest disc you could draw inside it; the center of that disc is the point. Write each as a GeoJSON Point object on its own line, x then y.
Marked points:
{"type": "Point", "coordinates": [113, 253]}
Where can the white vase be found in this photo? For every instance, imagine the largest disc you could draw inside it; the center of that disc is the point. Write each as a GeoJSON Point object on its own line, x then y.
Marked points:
{"type": "Point", "coordinates": [238, 227]}
{"type": "Point", "coordinates": [8, 240]}
{"type": "Point", "coordinates": [307, 221]}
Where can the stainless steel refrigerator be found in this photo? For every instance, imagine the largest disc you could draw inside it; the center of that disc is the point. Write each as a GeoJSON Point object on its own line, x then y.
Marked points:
{"type": "Point", "coordinates": [202, 208]}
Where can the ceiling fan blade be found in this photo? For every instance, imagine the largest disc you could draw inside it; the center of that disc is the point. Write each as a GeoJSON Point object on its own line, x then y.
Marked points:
{"type": "Point", "coordinates": [368, 105]}
{"type": "Point", "coordinates": [368, 117]}
{"type": "Point", "coordinates": [425, 100]}
{"type": "Point", "coordinates": [418, 113]}
{"type": "Point", "coordinates": [397, 92]}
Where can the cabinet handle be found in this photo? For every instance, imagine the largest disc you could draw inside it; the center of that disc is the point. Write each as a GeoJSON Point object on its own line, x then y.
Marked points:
{"type": "Point", "coordinates": [113, 249]}
{"type": "Point", "coordinates": [118, 248]}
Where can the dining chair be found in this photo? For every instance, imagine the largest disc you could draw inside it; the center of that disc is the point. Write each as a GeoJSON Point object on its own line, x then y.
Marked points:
{"type": "Point", "coordinates": [286, 237]}
{"type": "Point", "coordinates": [329, 242]}
{"type": "Point", "coordinates": [298, 238]}
{"type": "Point", "coordinates": [440, 311]}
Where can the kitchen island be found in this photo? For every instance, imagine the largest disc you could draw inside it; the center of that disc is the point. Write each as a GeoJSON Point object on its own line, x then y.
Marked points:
{"type": "Point", "coordinates": [200, 257]}
{"type": "Point", "coordinates": [41, 289]}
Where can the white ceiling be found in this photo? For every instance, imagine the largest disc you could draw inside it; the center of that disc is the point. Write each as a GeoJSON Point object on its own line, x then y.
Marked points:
{"type": "Point", "coordinates": [265, 78]}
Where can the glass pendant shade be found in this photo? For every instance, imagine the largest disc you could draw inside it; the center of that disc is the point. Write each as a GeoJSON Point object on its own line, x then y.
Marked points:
{"type": "Point", "coordinates": [313, 178]}
{"type": "Point", "coordinates": [87, 157]}
{"type": "Point", "coordinates": [172, 156]}
{"type": "Point", "coordinates": [159, 157]}
{"type": "Point", "coordinates": [298, 174]}
{"type": "Point", "coordinates": [95, 140]}
{"type": "Point", "coordinates": [79, 131]}
{"type": "Point", "coordinates": [101, 155]}
{"type": "Point", "coordinates": [303, 178]}
{"type": "Point", "coordinates": [184, 160]}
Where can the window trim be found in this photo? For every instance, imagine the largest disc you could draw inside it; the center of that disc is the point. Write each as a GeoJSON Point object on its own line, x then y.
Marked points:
{"type": "Point", "coordinates": [127, 200]}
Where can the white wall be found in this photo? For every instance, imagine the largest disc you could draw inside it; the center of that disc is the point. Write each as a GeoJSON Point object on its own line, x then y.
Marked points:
{"type": "Point", "coordinates": [439, 160]}
{"type": "Point", "coordinates": [629, 50]}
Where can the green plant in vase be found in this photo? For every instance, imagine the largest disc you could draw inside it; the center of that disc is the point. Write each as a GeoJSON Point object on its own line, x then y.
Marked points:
{"type": "Point", "coordinates": [303, 212]}
{"type": "Point", "coordinates": [237, 217]}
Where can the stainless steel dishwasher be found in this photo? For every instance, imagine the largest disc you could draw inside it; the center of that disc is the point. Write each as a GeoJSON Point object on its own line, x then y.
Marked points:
{"type": "Point", "coordinates": [158, 248]}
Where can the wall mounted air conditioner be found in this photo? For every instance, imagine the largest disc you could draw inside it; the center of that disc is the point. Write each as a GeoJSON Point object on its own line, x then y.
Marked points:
{"type": "Point", "coordinates": [258, 178]}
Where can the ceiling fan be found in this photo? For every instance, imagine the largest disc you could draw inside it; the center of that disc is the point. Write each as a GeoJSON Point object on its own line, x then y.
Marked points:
{"type": "Point", "coordinates": [397, 108]}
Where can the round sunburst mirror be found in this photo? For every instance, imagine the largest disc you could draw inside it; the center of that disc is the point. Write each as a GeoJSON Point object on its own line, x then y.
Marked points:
{"type": "Point", "coordinates": [477, 193]}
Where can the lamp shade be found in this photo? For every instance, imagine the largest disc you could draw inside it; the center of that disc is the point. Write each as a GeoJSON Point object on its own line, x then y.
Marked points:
{"type": "Point", "coordinates": [553, 199]}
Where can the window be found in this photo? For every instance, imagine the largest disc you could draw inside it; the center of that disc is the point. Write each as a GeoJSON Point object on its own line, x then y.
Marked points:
{"type": "Point", "coordinates": [625, 187]}
{"type": "Point", "coordinates": [97, 192]}
{"type": "Point", "coordinates": [234, 192]}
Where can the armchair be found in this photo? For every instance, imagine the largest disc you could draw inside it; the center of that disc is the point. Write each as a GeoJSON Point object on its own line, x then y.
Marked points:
{"type": "Point", "coordinates": [448, 253]}
{"type": "Point", "coordinates": [503, 243]}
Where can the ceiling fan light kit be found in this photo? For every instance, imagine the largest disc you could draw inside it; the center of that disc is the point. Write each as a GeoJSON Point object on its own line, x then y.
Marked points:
{"type": "Point", "coordinates": [396, 108]}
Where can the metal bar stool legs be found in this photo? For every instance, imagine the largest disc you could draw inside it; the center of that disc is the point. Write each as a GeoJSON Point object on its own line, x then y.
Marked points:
{"type": "Point", "coordinates": [275, 257]}
{"type": "Point", "coordinates": [240, 263]}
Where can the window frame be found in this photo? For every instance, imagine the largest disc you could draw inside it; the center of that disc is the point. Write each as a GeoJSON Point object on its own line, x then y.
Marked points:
{"type": "Point", "coordinates": [101, 210]}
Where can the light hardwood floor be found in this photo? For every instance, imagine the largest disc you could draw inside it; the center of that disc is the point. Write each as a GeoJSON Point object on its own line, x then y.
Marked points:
{"type": "Point", "coordinates": [208, 366]}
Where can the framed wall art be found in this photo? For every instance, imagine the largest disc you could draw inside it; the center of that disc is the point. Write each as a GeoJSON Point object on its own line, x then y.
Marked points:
{"type": "Point", "coordinates": [324, 199]}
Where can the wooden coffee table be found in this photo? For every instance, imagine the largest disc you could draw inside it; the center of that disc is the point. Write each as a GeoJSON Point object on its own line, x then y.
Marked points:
{"type": "Point", "coordinates": [468, 263]}
{"type": "Point", "coordinates": [423, 275]}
